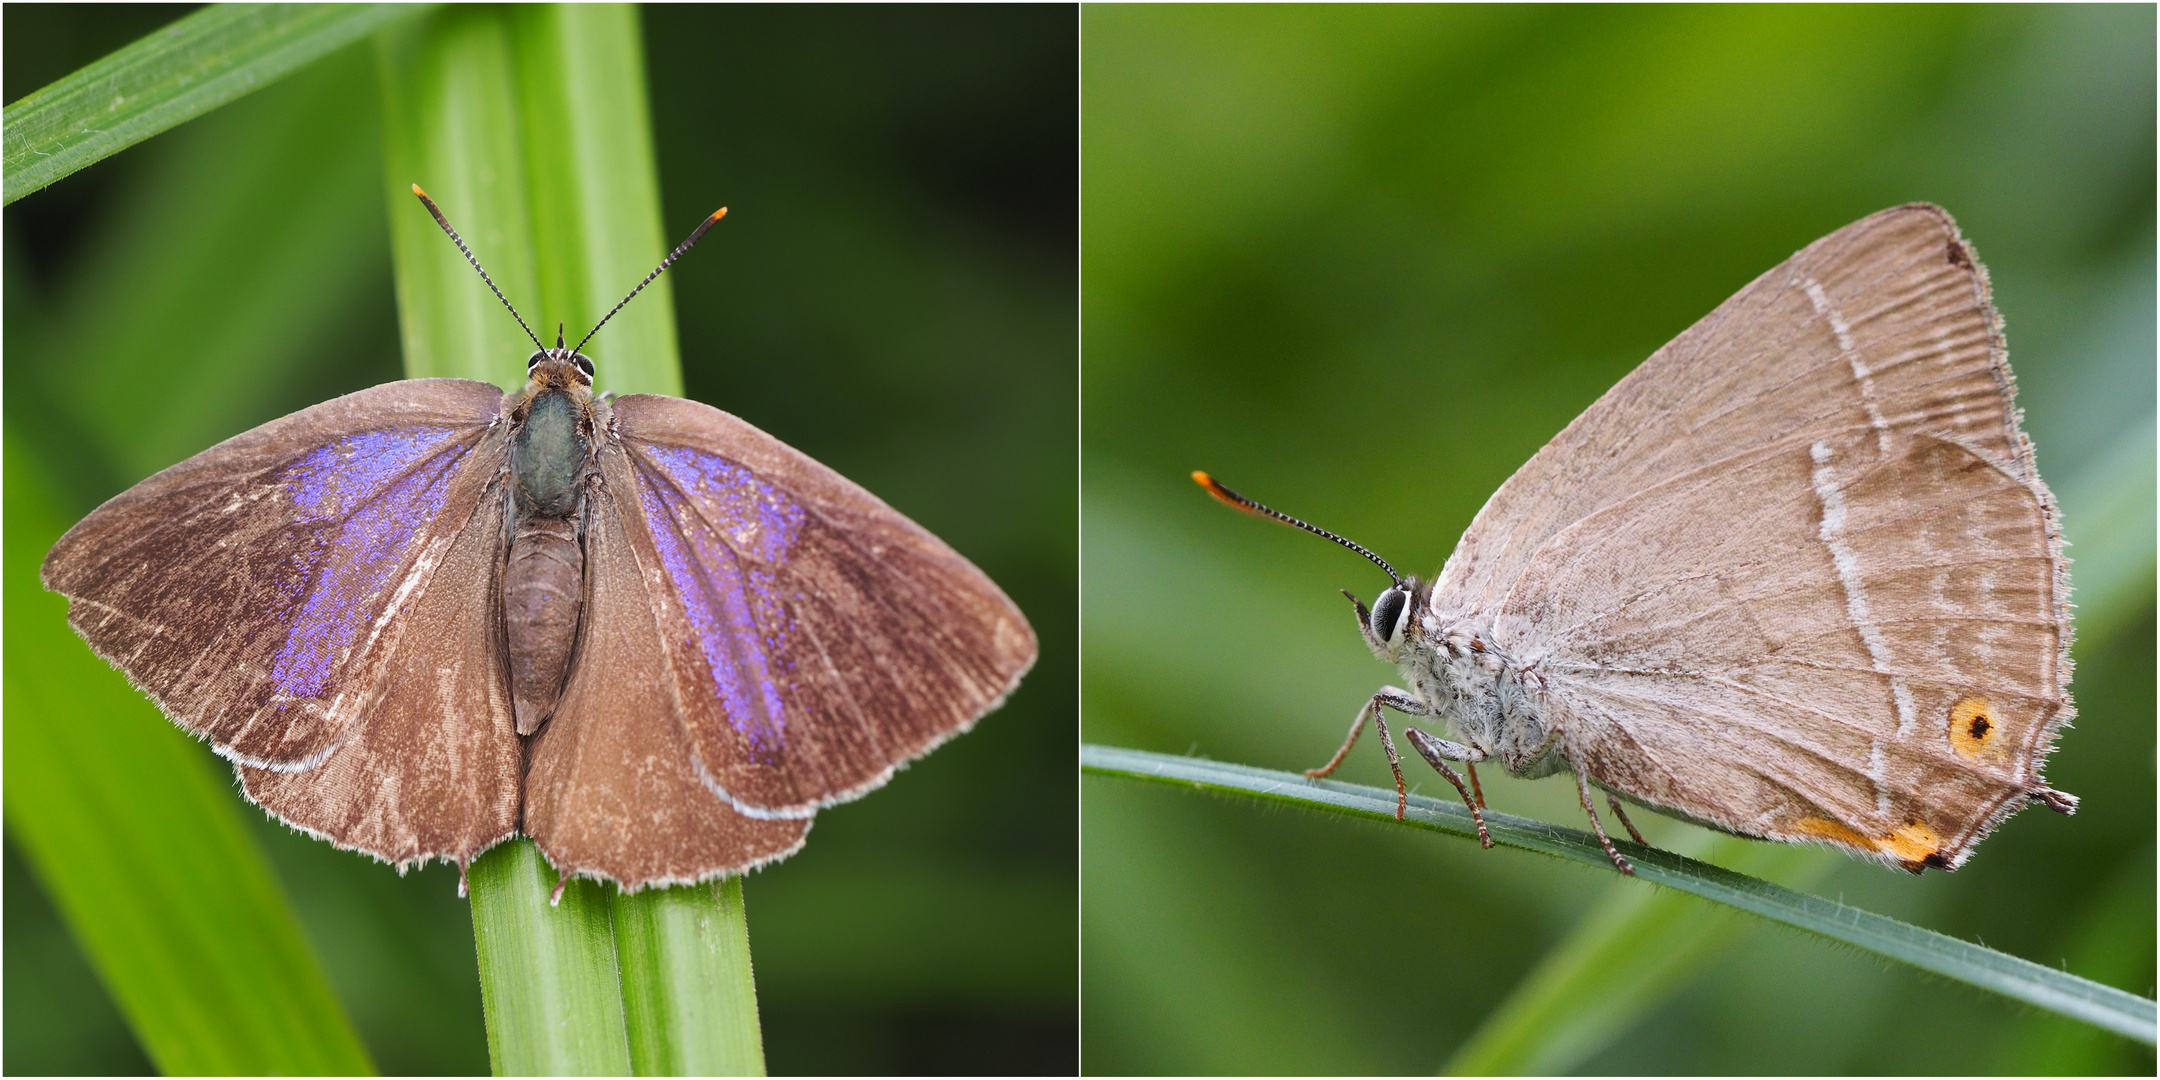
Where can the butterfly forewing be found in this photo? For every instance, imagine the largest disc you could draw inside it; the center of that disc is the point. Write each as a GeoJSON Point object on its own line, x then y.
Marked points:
{"type": "Point", "coordinates": [1883, 326]}
{"type": "Point", "coordinates": [1796, 576]}
{"type": "Point", "coordinates": [817, 638]}
{"type": "Point", "coordinates": [250, 589]}
{"type": "Point", "coordinates": [612, 791]}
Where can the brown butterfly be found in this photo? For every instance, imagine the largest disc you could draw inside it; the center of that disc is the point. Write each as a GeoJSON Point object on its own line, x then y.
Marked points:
{"type": "Point", "coordinates": [1796, 577]}
{"type": "Point", "coordinates": [429, 616]}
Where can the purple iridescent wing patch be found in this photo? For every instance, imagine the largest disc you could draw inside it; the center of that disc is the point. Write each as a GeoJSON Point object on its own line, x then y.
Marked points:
{"type": "Point", "coordinates": [376, 492]}
{"type": "Point", "coordinates": [722, 534]}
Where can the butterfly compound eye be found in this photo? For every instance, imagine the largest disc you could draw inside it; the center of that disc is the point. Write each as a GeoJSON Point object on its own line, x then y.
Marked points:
{"type": "Point", "coordinates": [533, 361]}
{"type": "Point", "coordinates": [583, 364]}
{"type": "Point", "coordinates": [1391, 615]}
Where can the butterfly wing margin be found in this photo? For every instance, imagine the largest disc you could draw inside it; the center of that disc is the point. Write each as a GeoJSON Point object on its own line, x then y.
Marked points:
{"type": "Point", "coordinates": [612, 792]}
{"type": "Point", "coordinates": [818, 638]}
{"type": "Point", "coordinates": [243, 589]}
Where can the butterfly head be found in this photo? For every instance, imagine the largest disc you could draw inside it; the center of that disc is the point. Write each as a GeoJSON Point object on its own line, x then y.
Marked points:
{"type": "Point", "coordinates": [1388, 625]}
{"type": "Point", "coordinates": [559, 367]}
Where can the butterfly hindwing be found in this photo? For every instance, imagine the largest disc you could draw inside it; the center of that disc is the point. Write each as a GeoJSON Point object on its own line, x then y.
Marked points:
{"type": "Point", "coordinates": [817, 638]}
{"type": "Point", "coordinates": [1709, 622]}
{"type": "Point", "coordinates": [611, 791]}
{"type": "Point", "coordinates": [433, 770]}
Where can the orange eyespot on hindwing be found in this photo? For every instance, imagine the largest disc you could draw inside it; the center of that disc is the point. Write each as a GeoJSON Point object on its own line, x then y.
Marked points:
{"type": "Point", "coordinates": [1974, 728]}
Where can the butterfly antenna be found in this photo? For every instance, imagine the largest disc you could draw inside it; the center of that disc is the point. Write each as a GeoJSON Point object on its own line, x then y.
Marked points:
{"type": "Point", "coordinates": [1240, 502]}
{"type": "Point", "coordinates": [460, 242]}
{"type": "Point", "coordinates": [695, 235]}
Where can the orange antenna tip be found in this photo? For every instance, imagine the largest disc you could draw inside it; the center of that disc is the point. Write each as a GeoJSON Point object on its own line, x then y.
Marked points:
{"type": "Point", "coordinates": [718, 214]}
{"type": "Point", "coordinates": [1222, 494]}
{"type": "Point", "coordinates": [416, 190]}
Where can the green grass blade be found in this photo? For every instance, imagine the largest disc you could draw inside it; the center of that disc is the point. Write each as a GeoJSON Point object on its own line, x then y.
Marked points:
{"type": "Point", "coordinates": [684, 953]}
{"type": "Point", "coordinates": [136, 835]}
{"type": "Point", "coordinates": [1631, 950]}
{"type": "Point", "coordinates": [688, 1013]}
{"type": "Point", "coordinates": [529, 127]}
{"type": "Point", "coordinates": [596, 190]}
{"type": "Point", "coordinates": [189, 68]}
{"type": "Point", "coordinates": [451, 125]}
{"type": "Point", "coordinates": [547, 973]}
{"type": "Point", "coordinates": [2056, 991]}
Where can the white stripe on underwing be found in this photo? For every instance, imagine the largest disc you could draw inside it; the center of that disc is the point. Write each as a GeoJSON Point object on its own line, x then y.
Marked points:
{"type": "Point", "coordinates": [1860, 371]}
{"type": "Point", "coordinates": [1875, 774]}
{"type": "Point", "coordinates": [1856, 609]}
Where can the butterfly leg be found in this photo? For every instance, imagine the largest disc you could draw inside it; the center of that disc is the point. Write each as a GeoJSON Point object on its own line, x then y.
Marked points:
{"type": "Point", "coordinates": [1474, 788]}
{"type": "Point", "coordinates": [1614, 802]}
{"type": "Point", "coordinates": [1582, 786]}
{"type": "Point", "coordinates": [1394, 761]}
{"type": "Point", "coordinates": [1388, 697]}
{"type": "Point", "coordinates": [1437, 753]}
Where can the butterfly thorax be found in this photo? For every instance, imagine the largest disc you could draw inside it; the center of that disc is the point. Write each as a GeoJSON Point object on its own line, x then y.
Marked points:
{"type": "Point", "coordinates": [553, 423]}
{"type": "Point", "coordinates": [1492, 702]}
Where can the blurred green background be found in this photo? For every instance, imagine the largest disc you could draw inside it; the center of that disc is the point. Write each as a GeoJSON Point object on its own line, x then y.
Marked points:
{"type": "Point", "coordinates": [1360, 263]}
{"type": "Point", "coordinates": [892, 293]}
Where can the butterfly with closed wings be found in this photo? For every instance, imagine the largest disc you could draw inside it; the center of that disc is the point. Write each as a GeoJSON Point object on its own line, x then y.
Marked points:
{"type": "Point", "coordinates": [1796, 577]}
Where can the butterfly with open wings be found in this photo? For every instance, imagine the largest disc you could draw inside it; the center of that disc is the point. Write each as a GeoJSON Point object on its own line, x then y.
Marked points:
{"type": "Point", "coordinates": [429, 616]}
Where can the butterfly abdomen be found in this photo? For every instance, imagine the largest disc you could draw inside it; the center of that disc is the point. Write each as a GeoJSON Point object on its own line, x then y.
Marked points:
{"type": "Point", "coordinates": [543, 590]}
